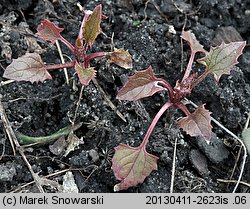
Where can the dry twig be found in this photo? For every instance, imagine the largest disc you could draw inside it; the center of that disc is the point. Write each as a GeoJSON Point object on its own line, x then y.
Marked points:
{"type": "Point", "coordinates": [110, 103]}
{"type": "Point", "coordinates": [63, 61]}
{"type": "Point", "coordinates": [13, 140]}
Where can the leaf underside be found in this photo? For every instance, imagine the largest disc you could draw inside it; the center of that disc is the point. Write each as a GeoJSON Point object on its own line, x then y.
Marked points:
{"type": "Point", "coordinates": [132, 165]}
{"type": "Point", "coordinates": [197, 123]}
{"type": "Point", "coordinates": [221, 59]}
{"type": "Point", "coordinates": [85, 74]}
{"type": "Point", "coordinates": [48, 31]}
{"type": "Point", "coordinates": [91, 28]}
{"type": "Point", "coordinates": [141, 84]}
{"type": "Point", "coordinates": [121, 58]}
{"type": "Point", "coordinates": [28, 67]}
{"type": "Point", "coordinates": [192, 41]}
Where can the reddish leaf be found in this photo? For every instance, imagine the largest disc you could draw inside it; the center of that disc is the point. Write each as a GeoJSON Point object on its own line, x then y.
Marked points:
{"type": "Point", "coordinates": [121, 58]}
{"type": "Point", "coordinates": [84, 74]}
{"type": "Point", "coordinates": [28, 67]}
{"type": "Point", "coordinates": [141, 84]}
{"type": "Point", "coordinates": [91, 28]}
{"type": "Point", "coordinates": [221, 59]}
{"type": "Point", "coordinates": [192, 41]}
{"type": "Point", "coordinates": [132, 165]}
{"type": "Point", "coordinates": [197, 123]}
{"type": "Point", "coordinates": [48, 31]}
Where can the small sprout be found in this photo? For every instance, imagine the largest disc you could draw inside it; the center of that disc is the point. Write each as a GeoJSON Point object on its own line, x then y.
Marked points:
{"type": "Point", "coordinates": [129, 164]}
{"type": "Point", "coordinates": [30, 67]}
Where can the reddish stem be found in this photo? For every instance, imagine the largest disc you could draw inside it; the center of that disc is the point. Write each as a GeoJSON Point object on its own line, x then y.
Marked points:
{"type": "Point", "coordinates": [170, 90]}
{"type": "Point", "coordinates": [189, 67]}
{"type": "Point", "coordinates": [57, 66]}
{"type": "Point", "coordinates": [153, 123]}
{"type": "Point", "coordinates": [183, 108]}
{"type": "Point", "coordinates": [199, 79]}
{"type": "Point", "coordinates": [93, 56]}
{"type": "Point", "coordinates": [69, 45]}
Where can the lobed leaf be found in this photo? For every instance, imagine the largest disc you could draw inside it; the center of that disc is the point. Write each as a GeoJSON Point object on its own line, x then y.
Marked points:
{"type": "Point", "coordinates": [91, 28]}
{"type": "Point", "coordinates": [85, 74]}
{"type": "Point", "coordinates": [28, 67]}
{"type": "Point", "coordinates": [132, 165]}
{"type": "Point", "coordinates": [48, 31]}
{"type": "Point", "coordinates": [197, 123]}
{"type": "Point", "coordinates": [121, 58]}
{"type": "Point", "coordinates": [141, 84]}
{"type": "Point", "coordinates": [192, 41]}
{"type": "Point", "coordinates": [221, 59]}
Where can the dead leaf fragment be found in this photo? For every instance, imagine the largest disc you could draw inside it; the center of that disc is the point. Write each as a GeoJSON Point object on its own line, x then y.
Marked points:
{"type": "Point", "coordinates": [121, 58]}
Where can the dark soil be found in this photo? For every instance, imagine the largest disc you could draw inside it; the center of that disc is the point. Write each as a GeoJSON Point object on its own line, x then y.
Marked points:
{"type": "Point", "coordinates": [146, 32]}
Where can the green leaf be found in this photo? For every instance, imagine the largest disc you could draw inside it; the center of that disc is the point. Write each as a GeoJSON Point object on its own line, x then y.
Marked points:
{"type": "Point", "coordinates": [221, 59]}
{"type": "Point", "coordinates": [91, 28]}
{"type": "Point", "coordinates": [197, 123]}
{"type": "Point", "coordinates": [85, 74]}
{"type": "Point", "coordinates": [28, 67]}
{"type": "Point", "coordinates": [141, 84]}
{"type": "Point", "coordinates": [132, 165]}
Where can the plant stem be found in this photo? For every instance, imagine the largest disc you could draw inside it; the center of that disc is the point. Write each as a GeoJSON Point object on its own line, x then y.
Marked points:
{"type": "Point", "coordinates": [189, 67]}
{"type": "Point", "coordinates": [153, 123]}
{"type": "Point", "coordinates": [199, 79]}
{"type": "Point", "coordinates": [69, 45]}
{"type": "Point", "coordinates": [93, 56]}
{"type": "Point", "coordinates": [183, 108]}
{"type": "Point", "coordinates": [170, 90]}
{"type": "Point", "coordinates": [57, 66]}
{"type": "Point", "coordinates": [24, 139]}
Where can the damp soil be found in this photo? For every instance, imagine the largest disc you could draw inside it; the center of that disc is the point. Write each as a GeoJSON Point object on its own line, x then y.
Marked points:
{"type": "Point", "coordinates": [150, 31]}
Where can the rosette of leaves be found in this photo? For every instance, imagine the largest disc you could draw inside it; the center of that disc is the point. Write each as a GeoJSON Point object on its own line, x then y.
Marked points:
{"type": "Point", "coordinates": [131, 165]}
{"type": "Point", "coordinates": [30, 67]}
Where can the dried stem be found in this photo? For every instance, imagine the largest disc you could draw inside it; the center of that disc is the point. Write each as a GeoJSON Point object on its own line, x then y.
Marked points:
{"type": "Point", "coordinates": [173, 167]}
{"type": "Point", "coordinates": [63, 62]}
{"type": "Point", "coordinates": [13, 138]}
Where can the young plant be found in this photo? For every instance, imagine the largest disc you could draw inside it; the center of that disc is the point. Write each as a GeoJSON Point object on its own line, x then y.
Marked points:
{"type": "Point", "coordinates": [131, 165]}
{"type": "Point", "coordinates": [30, 66]}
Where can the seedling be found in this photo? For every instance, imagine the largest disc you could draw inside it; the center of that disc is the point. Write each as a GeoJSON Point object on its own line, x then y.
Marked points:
{"type": "Point", "coordinates": [30, 66]}
{"type": "Point", "coordinates": [132, 165]}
